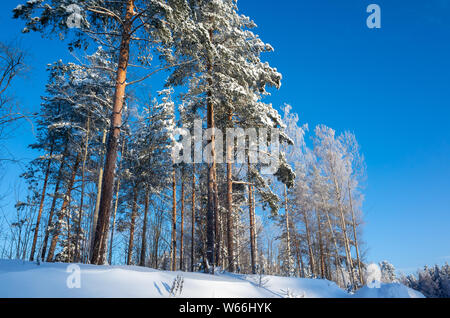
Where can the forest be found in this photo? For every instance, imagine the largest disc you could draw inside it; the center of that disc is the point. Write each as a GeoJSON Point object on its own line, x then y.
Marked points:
{"type": "Point", "coordinates": [106, 189]}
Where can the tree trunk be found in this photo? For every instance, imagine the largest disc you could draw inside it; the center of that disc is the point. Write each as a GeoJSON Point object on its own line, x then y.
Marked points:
{"type": "Point", "coordinates": [102, 228]}
{"type": "Point", "coordinates": [322, 261]}
{"type": "Point", "coordinates": [144, 230]}
{"type": "Point", "coordinates": [99, 192]}
{"type": "Point", "coordinates": [211, 208]}
{"type": "Point", "coordinates": [64, 206]}
{"type": "Point", "coordinates": [41, 204]}
{"type": "Point", "coordinates": [83, 172]}
{"type": "Point", "coordinates": [348, 255]}
{"type": "Point", "coordinates": [336, 250]}
{"type": "Point", "coordinates": [116, 204]}
{"type": "Point", "coordinates": [299, 256]}
{"type": "Point", "coordinates": [193, 219]}
{"type": "Point", "coordinates": [288, 240]}
{"type": "Point", "coordinates": [252, 228]}
{"type": "Point", "coordinates": [182, 224]}
{"type": "Point", "coordinates": [230, 225]}
{"type": "Point", "coordinates": [210, 223]}
{"type": "Point", "coordinates": [354, 235]}
{"type": "Point", "coordinates": [217, 223]}
{"type": "Point", "coordinates": [53, 206]}
{"type": "Point", "coordinates": [238, 244]}
{"type": "Point", "coordinates": [174, 222]}
{"type": "Point", "coordinates": [111, 241]}
{"type": "Point", "coordinates": [308, 240]}
{"type": "Point", "coordinates": [132, 224]}
{"type": "Point", "coordinates": [69, 237]}
{"type": "Point", "coordinates": [346, 243]}
{"type": "Point", "coordinates": [328, 262]}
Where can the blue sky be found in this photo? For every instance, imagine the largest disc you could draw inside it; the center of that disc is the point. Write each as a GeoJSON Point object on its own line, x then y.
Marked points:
{"type": "Point", "coordinates": [390, 86]}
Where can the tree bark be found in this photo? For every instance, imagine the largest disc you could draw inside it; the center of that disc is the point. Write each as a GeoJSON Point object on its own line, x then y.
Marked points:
{"type": "Point", "coordinates": [182, 224]}
{"type": "Point", "coordinates": [299, 256]}
{"type": "Point", "coordinates": [174, 222]}
{"type": "Point", "coordinates": [132, 224]}
{"type": "Point", "coordinates": [116, 204]}
{"type": "Point", "coordinates": [348, 255]}
{"type": "Point", "coordinates": [361, 280]}
{"type": "Point", "coordinates": [144, 229]}
{"type": "Point", "coordinates": [53, 206]}
{"type": "Point", "coordinates": [83, 172]}
{"type": "Point", "coordinates": [211, 207]}
{"type": "Point", "coordinates": [336, 250]}
{"type": "Point", "coordinates": [322, 261]}
{"type": "Point", "coordinates": [238, 244]}
{"type": "Point", "coordinates": [102, 228]}
{"type": "Point", "coordinates": [113, 227]}
{"type": "Point", "coordinates": [288, 240]}
{"type": "Point", "coordinates": [252, 228]}
{"type": "Point", "coordinates": [312, 263]}
{"type": "Point", "coordinates": [217, 223]}
{"type": "Point", "coordinates": [99, 192]}
{"type": "Point", "coordinates": [230, 225]}
{"type": "Point", "coordinates": [346, 242]}
{"type": "Point", "coordinates": [193, 219]}
{"type": "Point", "coordinates": [41, 204]}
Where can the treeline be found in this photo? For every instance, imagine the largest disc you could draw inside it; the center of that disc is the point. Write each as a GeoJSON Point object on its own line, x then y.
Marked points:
{"type": "Point", "coordinates": [106, 189]}
{"type": "Point", "coordinates": [431, 281]}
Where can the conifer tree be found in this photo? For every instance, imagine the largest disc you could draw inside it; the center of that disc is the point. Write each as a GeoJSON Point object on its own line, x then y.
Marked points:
{"type": "Point", "coordinates": [131, 26]}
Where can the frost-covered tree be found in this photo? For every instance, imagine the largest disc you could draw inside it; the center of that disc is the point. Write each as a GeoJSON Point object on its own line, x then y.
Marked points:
{"type": "Point", "coordinates": [433, 282]}
{"type": "Point", "coordinates": [227, 82]}
{"type": "Point", "coordinates": [12, 65]}
{"type": "Point", "coordinates": [387, 272]}
{"type": "Point", "coordinates": [147, 160]}
{"type": "Point", "coordinates": [331, 153]}
{"type": "Point", "coordinates": [295, 156]}
{"type": "Point", "coordinates": [73, 117]}
{"type": "Point", "coordinates": [105, 170]}
{"type": "Point", "coordinates": [325, 218]}
{"type": "Point", "coordinates": [133, 29]}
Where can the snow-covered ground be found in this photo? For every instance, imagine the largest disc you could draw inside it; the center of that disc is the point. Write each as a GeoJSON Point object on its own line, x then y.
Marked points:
{"type": "Point", "coordinates": [27, 279]}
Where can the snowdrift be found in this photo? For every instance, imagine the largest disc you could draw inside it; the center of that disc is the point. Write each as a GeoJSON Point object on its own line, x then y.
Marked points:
{"type": "Point", "coordinates": [27, 279]}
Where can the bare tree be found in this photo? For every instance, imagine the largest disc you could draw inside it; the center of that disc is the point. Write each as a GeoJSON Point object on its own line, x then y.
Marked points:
{"type": "Point", "coordinates": [12, 64]}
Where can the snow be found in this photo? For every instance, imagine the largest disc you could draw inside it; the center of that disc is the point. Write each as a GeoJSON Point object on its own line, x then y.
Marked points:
{"type": "Point", "coordinates": [394, 290]}
{"type": "Point", "coordinates": [27, 279]}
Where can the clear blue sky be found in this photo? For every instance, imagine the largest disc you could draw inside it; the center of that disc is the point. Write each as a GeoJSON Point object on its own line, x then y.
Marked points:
{"type": "Point", "coordinates": [390, 86]}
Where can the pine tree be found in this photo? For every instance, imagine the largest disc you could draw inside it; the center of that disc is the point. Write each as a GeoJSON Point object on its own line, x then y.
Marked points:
{"type": "Point", "coordinates": [128, 23]}
{"type": "Point", "coordinates": [227, 80]}
{"type": "Point", "coordinates": [72, 113]}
